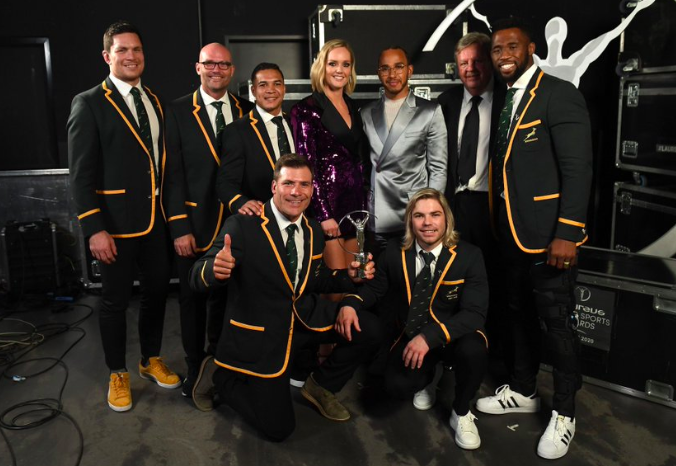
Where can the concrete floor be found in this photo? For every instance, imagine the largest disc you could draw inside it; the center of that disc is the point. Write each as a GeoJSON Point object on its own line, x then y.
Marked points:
{"type": "Point", "coordinates": [163, 428]}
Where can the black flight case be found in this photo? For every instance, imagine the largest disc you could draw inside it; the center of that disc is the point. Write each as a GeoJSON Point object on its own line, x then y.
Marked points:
{"type": "Point", "coordinates": [626, 305]}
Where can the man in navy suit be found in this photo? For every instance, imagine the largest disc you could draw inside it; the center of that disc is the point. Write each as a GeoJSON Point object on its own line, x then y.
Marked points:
{"type": "Point", "coordinates": [252, 145]}
{"type": "Point", "coordinates": [195, 125]}
{"type": "Point", "coordinates": [540, 181]}
{"type": "Point", "coordinates": [116, 154]}
{"type": "Point", "coordinates": [273, 268]}
{"type": "Point", "coordinates": [437, 296]}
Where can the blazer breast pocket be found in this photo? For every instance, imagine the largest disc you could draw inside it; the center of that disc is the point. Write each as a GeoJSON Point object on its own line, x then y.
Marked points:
{"type": "Point", "coordinates": [449, 291]}
{"type": "Point", "coordinates": [530, 134]}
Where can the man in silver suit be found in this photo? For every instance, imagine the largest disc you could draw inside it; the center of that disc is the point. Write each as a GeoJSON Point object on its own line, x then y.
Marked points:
{"type": "Point", "coordinates": [407, 135]}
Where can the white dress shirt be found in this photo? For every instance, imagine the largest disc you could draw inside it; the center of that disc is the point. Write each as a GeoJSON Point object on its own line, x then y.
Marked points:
{"type": "Point", "coordinates": [272, 131]}
{"type": "Point", "coordinates": [284, 222]}
{"type": "Point", "coordinates": [211, 110]}
{"type": "Point", "coordinates": [478, 182]}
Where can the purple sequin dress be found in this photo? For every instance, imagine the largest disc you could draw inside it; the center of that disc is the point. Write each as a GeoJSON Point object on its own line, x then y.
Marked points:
{"type": "Point", "coordinates": [335, 153]}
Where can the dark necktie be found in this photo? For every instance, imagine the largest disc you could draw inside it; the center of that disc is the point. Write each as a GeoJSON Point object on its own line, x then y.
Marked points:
{"type": "Point", "coordinates": [291, 252]}
{"type": "Point", "coordinates": [420, 301]}
{"type": "Point", "coordinates": [469, 143]}
{"type": "Point", "coordinates": [220, 121]}
{"type": "Point", "coordinates": [282, 140]}
{"type": "Point", "coordinates": [143, 121]}
{"type": "Point", "coordinates": [144, 124]}
{"type": "Point", "coordinates": [502, 141]}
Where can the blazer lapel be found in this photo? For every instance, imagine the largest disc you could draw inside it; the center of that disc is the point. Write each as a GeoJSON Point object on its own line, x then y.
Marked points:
{"type": "Point", "coordinates": [115, 98]}
{"type": "Point", "coordinates": [408, 265]}
{"type": "Point", "coordinates": [274, 235]}
{"type": "Point", "coordinates": [378, 117]}
{"type": "Point", "coordinates": [404, 117]}
{"type": "Point", "coordinates": [334, 123]}
{"type": "Point", "coordinates": [261, 131]}
{"type": "Point", "coordinates": [202, 117]}
{"type": "Point", "coordinates": [452, 126]}
{"type": "Point", "coordinates": [308, 245]}
{"type": "Point", "coordinates": [528, 96]}
{"type": "Point", "coordinates": [235, 107]}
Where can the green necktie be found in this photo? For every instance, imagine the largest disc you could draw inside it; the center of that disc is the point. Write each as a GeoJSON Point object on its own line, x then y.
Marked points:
{"type": "Point", "coordinates": [220, 121]}
{"type": "Point", "coordinates": [502, 141]}
{"type": "Point", "coordinates": [143, 121]}
{"type": "Point", "coordinates": [291, 252]}
{"type": "Point", "coordinates": [420, 301]}
{"type": "Point", "coordinates": [282, 140]}
{"type": "Point", "coordinates": [144, 124]}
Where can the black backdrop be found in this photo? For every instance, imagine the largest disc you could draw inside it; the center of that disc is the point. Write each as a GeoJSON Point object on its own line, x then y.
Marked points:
{"type": "Point", "coordinates": [174, 31]}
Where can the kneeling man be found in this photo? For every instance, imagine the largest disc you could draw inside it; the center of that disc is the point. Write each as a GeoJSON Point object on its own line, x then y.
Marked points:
{"type": "Point", "coordinates": [439, 293]}
{"type": "Point", "coordinates": [273, 267]}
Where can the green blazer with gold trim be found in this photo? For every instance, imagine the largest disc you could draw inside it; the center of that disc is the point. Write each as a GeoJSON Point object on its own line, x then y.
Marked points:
{"type": "Point", "coordinates": [247, 162]}
{"type": "Point", "coordinates": [263, 308]}
{"type": "Point", "coordinates": [189, 194]}
{"type": "Point", "coordinates": [111, 170]}
{"type": "Point", "coordinates": [547, 171]}
{"type": "Point", "coordinates": [459, 301]}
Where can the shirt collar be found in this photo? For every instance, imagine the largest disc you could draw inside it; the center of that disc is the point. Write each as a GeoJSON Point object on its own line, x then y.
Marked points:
{"type": "Point", "coordinates": [123, 87]}
{"type": "Point", "coordinates": [525, 78]}
{"type": "Point", "coordinates": [486, 95]}
{"type": "Point", "coordinates": [208, 100]}
{"type": "Point", "coordinates": [436, 251]}
{"type": "Point", "coordinates": [282, 221]}
{"type": "Point", "coordinates": [265, 115]}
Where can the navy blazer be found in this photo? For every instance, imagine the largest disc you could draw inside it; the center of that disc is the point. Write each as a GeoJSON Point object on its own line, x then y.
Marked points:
{"type": "Point", "coordinates": [247, 162]}
{"type": "Point", "coordinates": [263, 306]}
{"type": "Point", "coordinates": [112, 173]}
{"type": "Point", "coordinates": [547, 171]}
{"type": "Point", "coordinates": [459, 301]}
{"type": "Point", "coordinates": [189, 195]}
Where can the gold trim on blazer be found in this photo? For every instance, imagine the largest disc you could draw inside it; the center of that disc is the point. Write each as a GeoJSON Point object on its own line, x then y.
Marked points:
{"type": "Point", "coordinates": [247, 326]}
{"type": "Point", "coordinates": [547, 197]}
{"type": "Point", "coordinates": [88, 213]}
{"type": "Point", "coordinates": [204, 131]}
{"type": "Point", "coordinates": [253, 124]}
{"type": "Point", "coordinates": [110, 191]}
{"type": "Point", "coordinates": [153, 188]}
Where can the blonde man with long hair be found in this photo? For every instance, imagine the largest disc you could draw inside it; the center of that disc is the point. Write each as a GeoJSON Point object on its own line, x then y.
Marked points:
{"type": "Point", "coordinates": [438, 291]}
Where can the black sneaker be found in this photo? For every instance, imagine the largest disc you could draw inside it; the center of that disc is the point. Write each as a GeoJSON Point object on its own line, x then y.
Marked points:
{"type": "Point", "coordinates": [189, 381]}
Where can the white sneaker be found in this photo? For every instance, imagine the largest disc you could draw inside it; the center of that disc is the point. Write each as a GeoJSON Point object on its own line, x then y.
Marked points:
{"type": "Point", "coordinates": [506, 401]}
{"type": "Point", "coordinates": [466, 432]}
{"type": "Point", "coordinates": [425, 398]}
{"type": "Point", "coordinates": [555, 441]}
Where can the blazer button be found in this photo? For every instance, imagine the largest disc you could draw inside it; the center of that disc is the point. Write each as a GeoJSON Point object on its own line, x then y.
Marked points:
{"type": "Point", "coordinates": [149, 197]}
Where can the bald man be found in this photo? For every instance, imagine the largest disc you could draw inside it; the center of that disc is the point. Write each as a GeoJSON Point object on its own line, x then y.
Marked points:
{"type": "Point", "coordinates": [194, 126]}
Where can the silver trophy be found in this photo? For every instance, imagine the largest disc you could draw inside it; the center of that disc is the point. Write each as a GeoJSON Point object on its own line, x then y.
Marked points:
{"type": "Point", "coordinates": [358, 218]}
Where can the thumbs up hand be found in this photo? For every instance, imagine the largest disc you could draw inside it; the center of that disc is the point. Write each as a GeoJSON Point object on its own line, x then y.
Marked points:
{"type": "Point", "coordinates": [224, 262]}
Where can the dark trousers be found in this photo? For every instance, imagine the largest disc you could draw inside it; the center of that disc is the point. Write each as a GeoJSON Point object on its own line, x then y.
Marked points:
{"type": "Point", "coordinates": [149, 254]}
{"type": "Point", "coordinates": [266, 403]}
{"type": "Point", "coordinates": [201, 315]}
{"type": "Point", "coordinates": [540, 303]}
{"type": "Point", "coordinates": [472, 219]}
{"type": "Point", "coordinates": [468, 355]}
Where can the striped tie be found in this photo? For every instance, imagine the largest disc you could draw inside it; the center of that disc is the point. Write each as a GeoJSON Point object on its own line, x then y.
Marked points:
{"type": "Point", "coordinates": [420, 301]}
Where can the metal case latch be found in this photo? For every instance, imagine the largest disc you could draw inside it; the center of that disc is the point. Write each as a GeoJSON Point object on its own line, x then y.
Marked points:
{"type": "Point", "coordinates": [331, 14]}
{"type": "Point", "coordinates": [630, 149]}
{"type": "Point", "coordinates": [633, 90]}
{"type": "Point", "coordinates": [625, 203]}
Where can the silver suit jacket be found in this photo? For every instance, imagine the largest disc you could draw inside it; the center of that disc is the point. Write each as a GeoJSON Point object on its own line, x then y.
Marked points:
{"type": "Point", "coordinates": [411, 156]}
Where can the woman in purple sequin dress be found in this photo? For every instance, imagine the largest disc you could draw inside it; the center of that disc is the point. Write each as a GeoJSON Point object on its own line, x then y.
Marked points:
{"type": "Point", "coordinates": [327, 129]}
